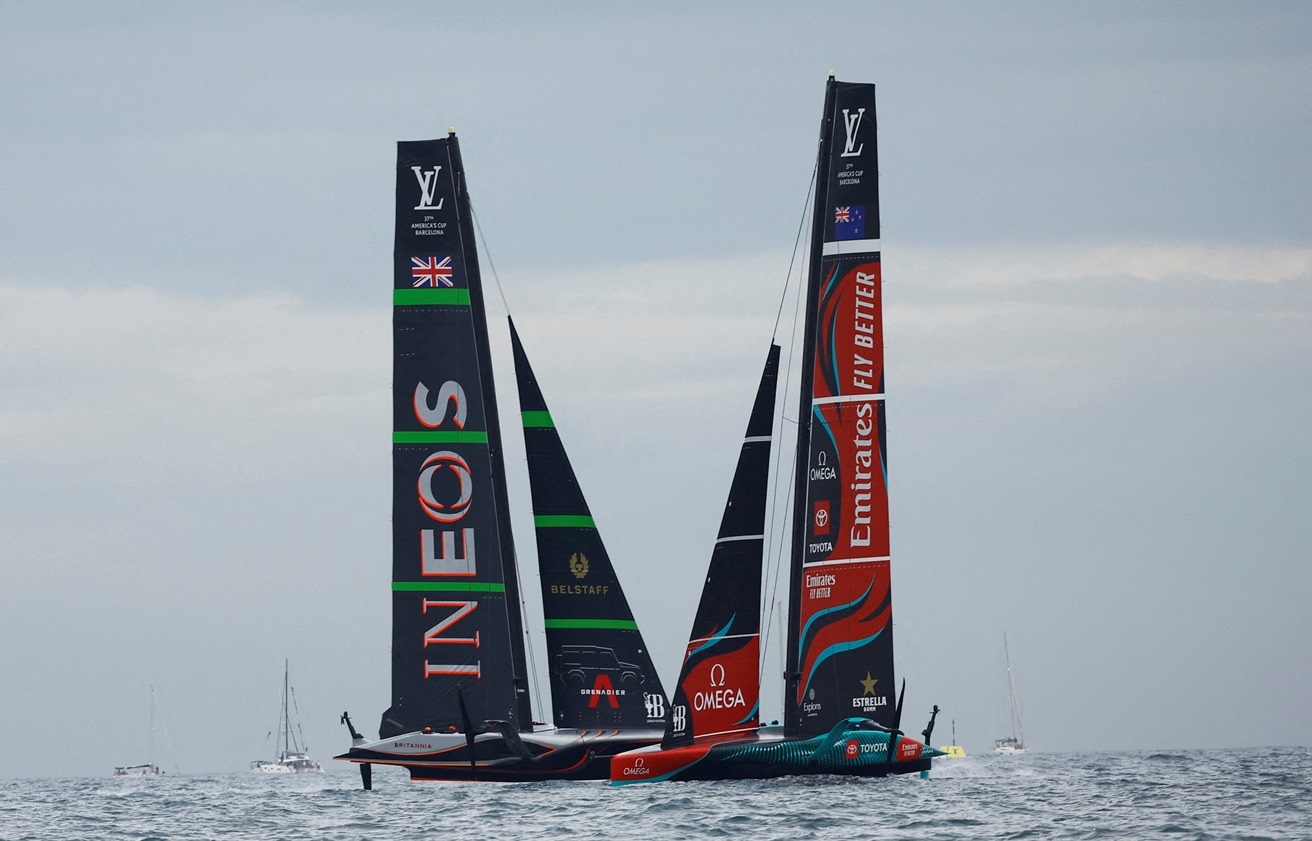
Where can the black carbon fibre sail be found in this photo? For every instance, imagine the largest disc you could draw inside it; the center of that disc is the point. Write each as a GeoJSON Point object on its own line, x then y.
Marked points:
{"type": "Point", "coordinates": [601, 672]}
{"type": "Point", "coordinates": [455, 607]}
{"type": "Point", "coordinates": [838, 718]}
{"type": "Point", "coordinates": [840, 652]}
{"type": "Point", "coordinates": [718, 692]}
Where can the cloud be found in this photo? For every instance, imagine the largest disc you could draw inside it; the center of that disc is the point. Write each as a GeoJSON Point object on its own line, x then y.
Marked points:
{"type": "Point", "coordinates": [134, 371]}
{"type": "Point", "coordinates": [130, 368]}
{"type": "Point", "coordinates": [160, 446]}
{"type": "Point", "coordinates": [1144, 262]}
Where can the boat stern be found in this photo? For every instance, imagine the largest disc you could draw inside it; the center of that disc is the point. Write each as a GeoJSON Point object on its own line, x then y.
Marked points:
{"type": "Point", "coordinates": [653, 763]}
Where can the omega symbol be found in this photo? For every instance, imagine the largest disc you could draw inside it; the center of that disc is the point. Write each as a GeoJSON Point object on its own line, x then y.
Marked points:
{"type": "Point", "coordinates": [717, 681]}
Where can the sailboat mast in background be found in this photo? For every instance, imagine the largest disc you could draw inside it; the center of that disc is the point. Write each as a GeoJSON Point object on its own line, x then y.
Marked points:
{"type": "Point", "coordinates": [1015, 743]}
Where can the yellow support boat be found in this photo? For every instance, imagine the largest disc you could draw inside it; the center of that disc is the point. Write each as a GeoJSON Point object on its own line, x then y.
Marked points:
{"type": "Point", "coordinates": [954, 750]}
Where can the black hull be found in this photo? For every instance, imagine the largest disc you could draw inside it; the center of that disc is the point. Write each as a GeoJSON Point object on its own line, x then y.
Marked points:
{"type": "Point", "coordinates": [566, 765]}
{"type": "Point", "coordinates": [528, 758]}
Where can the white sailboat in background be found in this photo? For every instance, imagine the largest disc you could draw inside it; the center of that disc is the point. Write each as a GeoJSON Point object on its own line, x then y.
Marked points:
{"type": "Point", "coordinates": [149, 769]}
{"type": "Point", "coordinates": [292, 753]}
{"type": "Point", "coordinates": [1015, 743]}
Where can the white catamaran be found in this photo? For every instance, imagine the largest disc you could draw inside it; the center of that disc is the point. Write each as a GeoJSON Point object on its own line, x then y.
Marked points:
{"type": "Point", "coordinates": [292, 753]}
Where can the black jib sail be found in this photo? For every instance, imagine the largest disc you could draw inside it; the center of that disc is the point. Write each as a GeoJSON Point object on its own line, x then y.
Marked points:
{"type": "Point", "coordinates": [456, 623]}
{"type": "Point", "coordinates": [719, 688]}
{"type": "Point", "coordinates": [840, 650]}
{"type": "Point", "coordinates": [601, 672]}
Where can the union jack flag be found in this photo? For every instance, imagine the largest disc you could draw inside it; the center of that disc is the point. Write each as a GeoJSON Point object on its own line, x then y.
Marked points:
{"type": "Point", "coordinates": [429, 271]}
{"type": "Point", "coordinates": [842, 214]}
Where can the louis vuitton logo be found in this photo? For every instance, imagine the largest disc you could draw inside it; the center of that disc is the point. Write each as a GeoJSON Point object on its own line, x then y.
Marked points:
{"type": "Point", "coordinates": [852, 122]}
{"type": "Point", "coordinates": [428, 187]}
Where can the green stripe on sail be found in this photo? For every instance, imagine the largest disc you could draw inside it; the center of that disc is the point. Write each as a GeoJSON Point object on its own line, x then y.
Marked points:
{"type": "Point", "coordinates": [537, 420]}
{"type": "Point", "coordinates": [448, 587]}
{"type": "Point", "coordinates": [430, 297]}
{"type": "Point", "coordinates": [564, 521]}
{"type": "Point", "coordinates": [614, 624]}
{"type": "Point", "coordinates": [433, 437]}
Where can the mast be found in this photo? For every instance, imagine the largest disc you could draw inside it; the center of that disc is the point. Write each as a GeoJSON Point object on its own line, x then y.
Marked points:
{"type": "Point", "coordinates": [519, 675]}
{"type": "Point", "coordinates": [792, 674]}
{"type": "Point", "coordinates": [456, 627]}
{"type": "Point", "coordinates": [840, 650]}
{"type": "Point", "coordinates": [1017, 731]}
{"type": "Point", "coordinates": [286, 713]}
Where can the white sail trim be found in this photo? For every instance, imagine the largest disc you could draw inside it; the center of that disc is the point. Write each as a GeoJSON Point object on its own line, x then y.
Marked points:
{"type": "Point", "coordinates": [753, 439]}
{"type": "Point", "coordinates": [728, 637]}
{"type": "Point", "coordinates": [847, 561]}
{"type": "Point", "coordinates": [847, 398]}
{"type": "Point", "coordinates": [744, 729]}
{"type": "Point", "coordinates": [740, 537]}
{"type": "Point", "coordinates": [852, 246]}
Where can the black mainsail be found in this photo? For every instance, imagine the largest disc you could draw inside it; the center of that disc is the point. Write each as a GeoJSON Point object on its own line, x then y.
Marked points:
{"type": "Point", "coordinates": [460, 703]}
{"type": "Point", "coordinates": [601, 672]}
{"type": "Point", "coordinates": [839, 649]}
{"type": "Point", "coordinates": [840, 627]}
{"type": "Point", "coordinates": [456, 625]}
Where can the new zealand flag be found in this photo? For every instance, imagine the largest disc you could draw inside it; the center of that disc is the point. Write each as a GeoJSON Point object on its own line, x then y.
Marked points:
{"type": "Point", "coordinates": [850, 222]}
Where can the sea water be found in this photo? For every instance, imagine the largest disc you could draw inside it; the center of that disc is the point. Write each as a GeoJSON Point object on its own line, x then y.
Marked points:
{"type": "Point", "coordinates": [1187, 794]}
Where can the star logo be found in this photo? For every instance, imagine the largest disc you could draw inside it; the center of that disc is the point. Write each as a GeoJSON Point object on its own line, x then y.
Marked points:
{"type": "Point", "coordinates": [869, 684]}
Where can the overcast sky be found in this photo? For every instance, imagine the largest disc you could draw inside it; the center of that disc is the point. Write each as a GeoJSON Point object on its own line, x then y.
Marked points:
{"type": "Point", "coordinates": [1098, 286]}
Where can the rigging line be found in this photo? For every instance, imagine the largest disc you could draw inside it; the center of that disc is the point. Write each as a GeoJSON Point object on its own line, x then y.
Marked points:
{"type": "Point", "coordinates": [528, 641]}
{"type": "Point", "coordinates": [544, 702]}
{"type": "Point", "coordinates": [771, 588]}
{"type": "Point", "coordinates": [159, 714]}
{"type": "Point", "coordinates": [810, 190]}
{"type": "Point", "coordinates": [788, 370]}
{"type": "Point", "coordinates": [488, 251]}
{"type": "Point", "coordinates": [523, 605]}
{"type": "Point", "coordinates": [303, 746]}
{"type": "Point", "coordinates": [773, 574]}
{"type": "Point", "coordinates": [792, 348]}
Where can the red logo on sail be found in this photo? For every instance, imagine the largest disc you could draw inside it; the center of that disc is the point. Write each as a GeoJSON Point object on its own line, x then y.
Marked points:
{"type": "Point", "coordinates": [821, 517]}
{"type": "Point", "coordinates": [851, 749]}
{"type": "Point", "coordinates": [601, 687]}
